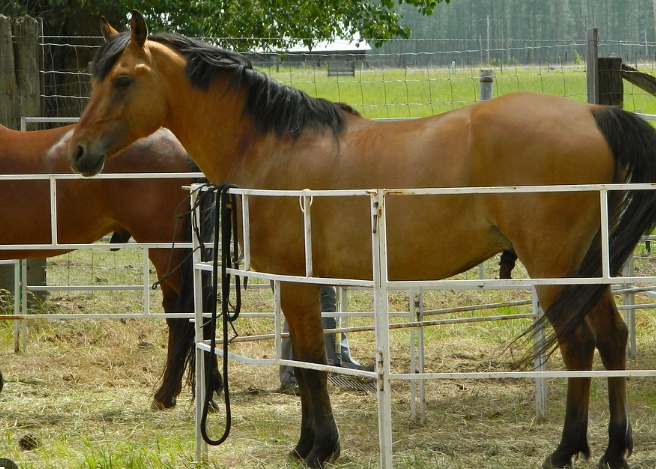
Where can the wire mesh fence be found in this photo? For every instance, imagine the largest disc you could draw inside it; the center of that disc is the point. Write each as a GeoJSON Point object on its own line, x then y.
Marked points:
{"type": "Point", "coordinates": [409, 78]}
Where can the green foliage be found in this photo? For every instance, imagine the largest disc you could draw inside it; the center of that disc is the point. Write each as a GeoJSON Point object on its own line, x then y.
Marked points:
{"type": "Point", "coordinates": [246, 23]}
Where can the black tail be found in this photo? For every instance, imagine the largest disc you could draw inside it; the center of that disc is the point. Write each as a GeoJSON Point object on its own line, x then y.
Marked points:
{"type": "Point", "coordinates": [185, 345]}
{"type": "Point", "coordinates": [631, 215]}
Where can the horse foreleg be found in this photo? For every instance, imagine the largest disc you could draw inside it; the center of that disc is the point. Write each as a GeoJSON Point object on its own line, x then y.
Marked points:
{"type": "Point", "coordinates": [612, 335]}
{"type": "Point", "coordinates": [577, 352]}
{"type": "Point", "coordinates": [319, 439]}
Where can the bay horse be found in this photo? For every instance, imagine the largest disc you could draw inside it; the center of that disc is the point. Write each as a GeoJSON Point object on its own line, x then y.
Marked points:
{"type": "Point", "coordinates": [242, 127]}
{"type": "Point", "coordinates": [145, 209]}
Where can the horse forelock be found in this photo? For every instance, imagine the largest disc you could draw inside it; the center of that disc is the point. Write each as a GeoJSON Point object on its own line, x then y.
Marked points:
{"type": "Point", "coordinates": [275, 107]}
{"type": "Point", "coordinates": [108, 54]}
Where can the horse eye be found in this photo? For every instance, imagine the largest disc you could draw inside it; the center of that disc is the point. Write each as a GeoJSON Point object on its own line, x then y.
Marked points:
{"type": "Point", "coordinates": [122, 82]}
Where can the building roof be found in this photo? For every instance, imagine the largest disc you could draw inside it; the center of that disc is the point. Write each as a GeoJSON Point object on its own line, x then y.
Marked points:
{"type": "Point", "coordinates": [338, 45]}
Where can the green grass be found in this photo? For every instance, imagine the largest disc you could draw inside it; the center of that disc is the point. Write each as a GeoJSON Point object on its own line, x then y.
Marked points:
{"type": "Point", "coordinates": [397, 93]}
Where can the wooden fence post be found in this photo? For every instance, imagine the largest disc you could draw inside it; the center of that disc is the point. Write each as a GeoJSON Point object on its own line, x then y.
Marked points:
{"type": "Point", "coordinates": [20, 95]}
{"type": "Point", "coordinates": [26, 46]}
{"type": "Point", "coordinates": [609, 79]}
{"type": "Point", "coordinates": [7, 75]}
{"type": "Point", "coordinates": [20, 89]}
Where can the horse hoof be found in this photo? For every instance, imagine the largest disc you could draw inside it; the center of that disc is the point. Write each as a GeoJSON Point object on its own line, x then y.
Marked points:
{"type": "Point", "coordinates": [314, 460]}
{"type": "Point", "coordinates": [159, 405]}
{"type": "Point", "coordinates": [622, 464]}
{"type": "Point", "coordinates": [337, 450]}
{"type": "Point", "coordinates": [214, 407]}
{"type": "Point", "coordinates": [293, 456]}
{"type": "Point", "coordinates": [550, 464]}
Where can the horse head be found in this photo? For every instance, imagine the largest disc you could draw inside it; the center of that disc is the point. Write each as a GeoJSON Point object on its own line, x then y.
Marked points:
{"type": "Point", "coordinates": [124, 104]}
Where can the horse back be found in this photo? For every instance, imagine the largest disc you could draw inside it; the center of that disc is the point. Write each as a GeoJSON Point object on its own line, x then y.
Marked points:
{"type": "Point", "coordinates": [88, 209]}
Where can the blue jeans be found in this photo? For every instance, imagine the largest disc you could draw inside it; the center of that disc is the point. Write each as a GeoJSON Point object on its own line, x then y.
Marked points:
{"type": "Point", "coordinates": [334, 356]}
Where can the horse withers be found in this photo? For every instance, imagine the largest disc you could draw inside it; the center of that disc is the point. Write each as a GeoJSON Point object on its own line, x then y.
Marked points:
{"type": "Point", "coordinates": [149, 210]}
{"type": "Point", "coordinates": [242, 127]}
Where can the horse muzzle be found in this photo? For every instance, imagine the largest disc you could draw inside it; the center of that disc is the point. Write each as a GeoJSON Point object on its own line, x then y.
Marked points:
{"type": "Point", "coordinates": [85, 162]}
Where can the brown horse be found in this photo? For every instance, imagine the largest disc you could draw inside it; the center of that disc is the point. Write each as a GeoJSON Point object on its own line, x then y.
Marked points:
{"type": "Point", "coordinates": [146, 209]}
{"type": "Point", "coordinates": [242, 127]}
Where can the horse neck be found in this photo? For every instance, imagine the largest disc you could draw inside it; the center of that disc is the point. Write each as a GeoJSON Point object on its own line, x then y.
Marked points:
{"type": "Point", "coordinates": [210, 125]}
{"type": "Point", "coordinates": [38, 151]}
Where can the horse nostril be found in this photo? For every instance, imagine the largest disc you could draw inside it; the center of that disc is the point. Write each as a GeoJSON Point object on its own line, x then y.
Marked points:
{"type": "Point", "coordinates": [79, 153]}
{"type": "Point", "coordinates": [78, 158]}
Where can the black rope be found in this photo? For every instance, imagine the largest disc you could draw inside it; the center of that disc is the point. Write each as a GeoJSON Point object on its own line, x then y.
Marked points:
{"type": "Point", "coordinates": [179, 216]}
{"type": "Point", "coordinates": [225, 223]}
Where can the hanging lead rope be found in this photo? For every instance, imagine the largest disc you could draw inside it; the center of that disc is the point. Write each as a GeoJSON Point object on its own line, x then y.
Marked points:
{"type": "Point", "coordinates": [225, 223]}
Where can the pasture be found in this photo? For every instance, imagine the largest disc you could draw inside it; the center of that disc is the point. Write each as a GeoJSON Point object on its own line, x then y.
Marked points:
{"type": "Point", "coordinates": [83, 388]}
{"type": "Point", "coordinates": [396, 93]}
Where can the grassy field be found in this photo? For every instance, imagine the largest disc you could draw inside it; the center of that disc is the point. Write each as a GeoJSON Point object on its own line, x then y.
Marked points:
{"type": "Point", "coordinates": [83, 388]}
{"type": "Point", "coordinates": [394, 93]}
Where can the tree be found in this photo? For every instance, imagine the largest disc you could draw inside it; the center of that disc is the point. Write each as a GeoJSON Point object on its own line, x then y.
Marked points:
{"type": "Point", "coordinates": [241, 23]}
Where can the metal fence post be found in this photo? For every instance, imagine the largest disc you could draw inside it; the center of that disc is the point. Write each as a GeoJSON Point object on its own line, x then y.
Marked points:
{"type": "Point", "coordinates": [486, 83]}
{"type": "Point", "coordinates": [591, 68]}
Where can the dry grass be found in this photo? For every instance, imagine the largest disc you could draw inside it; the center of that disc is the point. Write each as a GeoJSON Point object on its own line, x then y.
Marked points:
{"type": "Point", "coordinates": [83, 389]}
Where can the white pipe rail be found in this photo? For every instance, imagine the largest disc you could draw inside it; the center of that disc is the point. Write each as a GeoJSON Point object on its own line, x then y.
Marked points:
{"type": "Point", "coordinates": [381, 285]}
{"type": "Point", "coordinates": [22, 287]}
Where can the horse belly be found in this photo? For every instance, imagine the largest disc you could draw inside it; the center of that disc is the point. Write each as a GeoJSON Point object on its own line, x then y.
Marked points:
{"type": "Point", "coordinates": [437, 236]}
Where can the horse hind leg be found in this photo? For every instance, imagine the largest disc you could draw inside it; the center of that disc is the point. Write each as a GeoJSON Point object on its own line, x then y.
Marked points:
{"type": "Point", "coordinates": [181, 334]}
{"type": "Point", "coordinates": [180, 357]}
{"type": "Point", "coordinates": [605, 330]}
{"type": "Point", "coordinates": [612, 335]}
{"type": "Point", "coordinates": [507, 262]}
{"type": "Point", "coordinates": [577, 352]}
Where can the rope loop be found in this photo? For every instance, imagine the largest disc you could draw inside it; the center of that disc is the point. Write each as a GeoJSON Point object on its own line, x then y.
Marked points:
{"type": "Point", "coordinates": [303, 197]}
{"type": "Point", "coordinates": [225, 237]}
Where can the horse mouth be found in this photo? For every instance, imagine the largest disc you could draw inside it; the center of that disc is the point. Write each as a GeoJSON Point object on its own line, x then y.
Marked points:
{"type": "Point", "coordinates": [86, 163]}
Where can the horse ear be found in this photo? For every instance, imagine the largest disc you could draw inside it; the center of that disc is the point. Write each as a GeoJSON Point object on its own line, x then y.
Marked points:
{"type": "Point", "coordinates": [106, 28]}
{"type": "Point", "coordinates": [138, 28]}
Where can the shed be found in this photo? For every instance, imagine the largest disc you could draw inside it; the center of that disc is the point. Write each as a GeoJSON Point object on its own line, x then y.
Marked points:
{"type": "Point", "coordinates": [351, 54]}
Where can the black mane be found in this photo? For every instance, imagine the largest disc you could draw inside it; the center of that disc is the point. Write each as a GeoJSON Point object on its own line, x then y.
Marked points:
{"type": "Point", "coordinates": [275, 107]}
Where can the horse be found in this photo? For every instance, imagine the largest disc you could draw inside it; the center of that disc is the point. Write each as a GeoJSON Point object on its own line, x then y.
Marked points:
{"type": "Point", "coordinates": [149, 210]}
{"type": "Point", "coordinates": [242, 127]}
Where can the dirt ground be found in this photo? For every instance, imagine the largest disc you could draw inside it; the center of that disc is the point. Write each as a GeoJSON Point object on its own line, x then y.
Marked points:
{"type": "Point", "coordinates": [81, 395]}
